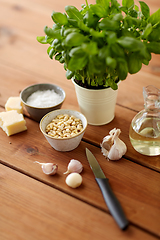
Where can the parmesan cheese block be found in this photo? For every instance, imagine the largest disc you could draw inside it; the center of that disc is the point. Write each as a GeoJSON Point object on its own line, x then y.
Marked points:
{"type": "Point", "coordinates": [14, 103]}
{"type": "Point", "coordinates": [12, 122]}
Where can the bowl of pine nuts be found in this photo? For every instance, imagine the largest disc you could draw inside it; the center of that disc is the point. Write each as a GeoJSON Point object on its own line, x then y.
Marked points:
{"type": "Point", "coordinates": [63, 129]}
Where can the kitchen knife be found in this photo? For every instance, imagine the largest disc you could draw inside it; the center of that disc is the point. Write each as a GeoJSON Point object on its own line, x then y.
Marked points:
{"type": "Point", "coordinates": [109, 197]}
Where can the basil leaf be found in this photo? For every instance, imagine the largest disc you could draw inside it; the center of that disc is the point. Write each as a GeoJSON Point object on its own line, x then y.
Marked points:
{"type": "Point", "coordinates": [70, 30]}
{"type": "Point", "coordinates": [111, 62]}
{"type": "Point", "coordinates": [90, 20]}
{"type": "Point", "coordinates": [58, 47]}
{"type": "Point", "coordinates": [145, 54]}
{"type": "Point", "coordinates": [128, 3]}
{"type": "Point", "coordinates": [117, 17]}
{"type": "Point", "coordinates": [130, 43]}
{"type": "Point", "coordinates": [115, 6]}
{"type": "Point", "coordinates": [103, 3]}
{"type": "Point", "coordinates": [147, 31]}
{"type": "Point", "coordinates": [97, 34]}
{"type": "Point", "coordinates": [117, 51]}
{"type": "Point", "coordinates": [126, 33]}
{"type": "Point", "coordinates": [154, 47]}
{"type": "Point", "coordinates": [74, 39]}
{"type": "Point", "coordinates": [49, 40]}
{"type": "Point", "coordinates": [108, 24]}
{"type": "Point", "coordinates": [58, 56]}
{"type": "Point", "coordinates": [145, 9]}
{"type": "Point", "coordinates": [124, 9]}
{"type": "Point", "coordinates": [76, 52]}
{"type": "Point", "coordinates": [134, 63]}
{"type": "Point", "coordinates": [56, 26]}
{"type": "Point", "coordinates": [60, 18]}
{"type": "Point", "coordinates": [73, 22]}
{"type": "Point", "coordinates": [51, 52]}
{"type": "Point", "coordinates": [145, 61]}
{"type": "Point", "coordinates": [98, 10]}
{"type": "Point", "coordinates": [133, 13]}
{"type": "Point", "coordinates": [155, 17]}
{"type": "Point", "coordinates": [42, 40]}
{"type": "Point", "coordinates": [96, 66]}
{"type": "Point", "coordinates": [77, 63]}
{"type": "Point", "coordinates": [65, 55]}
{"type": "Point", "coordinates": [136, 8]}
{"type": "Point", "coordinates": [104, 52]}
{"type": "Point", "coordinates": [52, 33]}
{"type": "Point", "coordinates": [154, 35]}
{"type": "Point", "coordinates": [69, 74]}
{"type": "Point", "coordinates": [55, 42]}
{"type": "Point", "coordinates": [82, 26]}
{"type": "Point", "coordinates": [73, 12]}
{"type": "Point", "coordinates": [122, 68]}
{"type": "Point", "coordinates": [112, 84]}
{"type": "Point", "coordinates": [111, 38]}
{"type": "Point", "coordinates": [90, 48]}
{"type": "Point", "coordinates": [130, 21]}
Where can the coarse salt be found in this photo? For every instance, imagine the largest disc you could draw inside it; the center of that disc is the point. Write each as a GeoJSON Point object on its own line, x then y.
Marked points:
{"type": "Point", "coordinates": [45, 98]}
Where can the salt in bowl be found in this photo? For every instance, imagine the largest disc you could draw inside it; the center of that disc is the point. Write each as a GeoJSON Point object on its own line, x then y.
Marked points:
{"type": "Point", "coordinates": [36, 113]}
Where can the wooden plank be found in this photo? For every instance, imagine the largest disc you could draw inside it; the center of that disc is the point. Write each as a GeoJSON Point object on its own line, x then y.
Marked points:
{"type": "Point", "coordinates": [139, 197]}
{"type": "Point", "coordinates": [32, 210]}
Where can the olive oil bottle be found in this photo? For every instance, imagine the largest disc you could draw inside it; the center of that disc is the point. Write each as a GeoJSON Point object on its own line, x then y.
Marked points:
{"type": "Point", "coordinates": [144, 131]}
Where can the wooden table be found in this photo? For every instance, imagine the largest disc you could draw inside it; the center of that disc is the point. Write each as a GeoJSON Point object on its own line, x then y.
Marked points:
{"type": "Point", "coordinates": [34, 206]}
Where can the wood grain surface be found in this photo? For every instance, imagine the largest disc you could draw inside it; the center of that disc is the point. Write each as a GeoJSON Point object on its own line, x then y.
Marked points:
{"type": "Point", "coordinates": [36, 206]}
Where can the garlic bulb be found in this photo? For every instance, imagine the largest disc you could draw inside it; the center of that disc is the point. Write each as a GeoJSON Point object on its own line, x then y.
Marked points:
{"type": "Point", "coordinates": [74, 166]}
{"type": "Point", "coordinates": [112, 147]}
{"type": "Point", "coordinates": [74, 180]}
{"type": "Point", "coordinates": [49, 168]}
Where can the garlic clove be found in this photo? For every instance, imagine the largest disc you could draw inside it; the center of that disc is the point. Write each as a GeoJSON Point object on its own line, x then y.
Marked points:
{"type": "Point", "coordinates": [74, 166]}
{"type": "Point", "coordinates": [49, 168]}
{"type": "Point", "coordinates": [117, 150]}
{"type": "Point", "coordinates": [112, 147]}
{"type": "Point", "coordinates": [74, 180]}
{"type": "Point", "coordinates": [107, 142]}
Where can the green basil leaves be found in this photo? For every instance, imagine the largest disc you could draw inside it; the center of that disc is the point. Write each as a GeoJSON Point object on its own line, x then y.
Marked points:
{"type": "Point", "coordinates": [103, 42]}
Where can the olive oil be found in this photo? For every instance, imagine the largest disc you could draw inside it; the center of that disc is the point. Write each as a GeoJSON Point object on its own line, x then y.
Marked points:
{"type": "Point", "coordinates": [144, 131]}
{"type": "Point", "coordinates": [146, 140]}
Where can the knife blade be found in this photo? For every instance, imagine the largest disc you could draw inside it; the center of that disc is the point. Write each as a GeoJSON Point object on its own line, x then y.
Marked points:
{"type": "Point", "coordinates": [108, 195]}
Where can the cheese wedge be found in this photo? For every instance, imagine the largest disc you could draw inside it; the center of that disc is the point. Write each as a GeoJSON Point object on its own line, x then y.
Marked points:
{"type": "Point", "coordinates": [12, 122]}
{"type": "Point", "coordinates": [14, 103]}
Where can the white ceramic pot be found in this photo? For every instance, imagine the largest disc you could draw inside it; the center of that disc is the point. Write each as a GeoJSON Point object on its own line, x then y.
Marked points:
{"type": "Point", "coordinates": [97, 105]}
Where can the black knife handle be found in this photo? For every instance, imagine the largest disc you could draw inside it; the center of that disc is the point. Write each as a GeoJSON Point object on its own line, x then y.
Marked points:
{"type": "Point", "coordinates": [112, 203]}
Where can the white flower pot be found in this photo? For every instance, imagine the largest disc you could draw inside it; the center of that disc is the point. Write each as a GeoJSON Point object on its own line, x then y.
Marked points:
{"type": "Point", "coordinates": [97, 105]}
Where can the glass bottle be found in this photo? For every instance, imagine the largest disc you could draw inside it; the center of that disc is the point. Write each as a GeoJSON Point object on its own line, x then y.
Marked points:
{"type": "Point", "coordinates": [144, 131]}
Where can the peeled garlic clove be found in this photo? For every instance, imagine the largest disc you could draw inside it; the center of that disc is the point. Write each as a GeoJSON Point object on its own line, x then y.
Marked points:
{"type": "Point", "coordinates": [74, 180]}
{"type": "Point", "coordinates": [74, 166]}
{"type": "Point", "coordinates": [112, 147]}
{"type": "Point", "coordinates": [49, 168]}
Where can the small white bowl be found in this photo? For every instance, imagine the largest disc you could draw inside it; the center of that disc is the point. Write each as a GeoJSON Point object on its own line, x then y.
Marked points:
{"type": "Point", "coordinates": [63, 144]}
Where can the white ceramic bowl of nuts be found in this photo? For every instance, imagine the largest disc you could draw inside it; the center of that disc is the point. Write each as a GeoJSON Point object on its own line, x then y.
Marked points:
{"type": "Point", "coordinates": [63, 128]}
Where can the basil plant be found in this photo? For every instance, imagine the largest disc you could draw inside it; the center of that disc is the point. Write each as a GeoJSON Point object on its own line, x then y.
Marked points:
{"type": "Point", "coordinates": [103, 42]}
